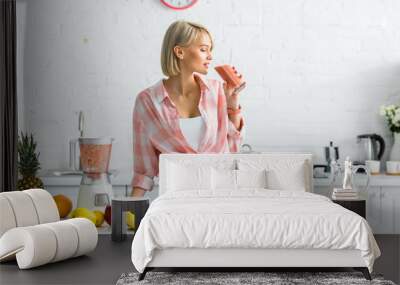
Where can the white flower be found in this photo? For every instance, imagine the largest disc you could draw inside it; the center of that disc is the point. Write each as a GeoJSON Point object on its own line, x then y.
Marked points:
{"type": "Point", "coordinates": [382, 110]}
{"type": "Point", "coordinates": [396, 117]}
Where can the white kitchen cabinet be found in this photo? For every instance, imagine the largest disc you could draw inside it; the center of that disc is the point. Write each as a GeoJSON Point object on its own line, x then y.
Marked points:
{"type": "Point", "coordinates": [386, 212]}
{"type": "Point", "coordinates": [390, 203]}
{"type": "Point", "coordinates": [374, 208]}
{"type": "Point", "coordinates": [72, 191]}
{"type": "Point", "coordinates": [383, 210]}
{"type": "Point", "coordinates": [68, 185]}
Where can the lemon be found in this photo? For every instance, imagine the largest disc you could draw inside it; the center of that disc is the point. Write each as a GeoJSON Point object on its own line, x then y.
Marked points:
{"type": "Point", "coordinates": [130, 220]}
{"type": "Point", "coordinates": [71, 215]}
{"type": "Point", "coordinates": [99, 218]}
{"type": "Point", "coordinates": [85, 213]}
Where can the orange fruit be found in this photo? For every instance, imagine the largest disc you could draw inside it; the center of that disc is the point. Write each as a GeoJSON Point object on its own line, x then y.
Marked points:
{"type": "Point", "coordinates": [64, 205]}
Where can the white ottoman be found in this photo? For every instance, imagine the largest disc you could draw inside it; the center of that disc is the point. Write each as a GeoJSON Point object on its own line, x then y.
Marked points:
{"type": "Point", "coordinates": [31, 232]}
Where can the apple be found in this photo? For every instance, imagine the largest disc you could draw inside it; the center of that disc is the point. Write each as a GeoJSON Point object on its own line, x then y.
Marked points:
{"type": "Point", "coordinates": [107, 214]}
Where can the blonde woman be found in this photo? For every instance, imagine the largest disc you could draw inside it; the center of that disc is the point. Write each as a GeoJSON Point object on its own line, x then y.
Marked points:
{"type": "Point", "coordinates": [185, 113]}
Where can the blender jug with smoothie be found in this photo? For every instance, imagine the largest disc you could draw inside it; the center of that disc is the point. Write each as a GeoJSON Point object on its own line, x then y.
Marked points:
{"type": "Point", "coordinates": [95, 191]}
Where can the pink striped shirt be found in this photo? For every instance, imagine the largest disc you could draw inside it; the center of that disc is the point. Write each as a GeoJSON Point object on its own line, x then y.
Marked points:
{"type": "Point", "coordinates": [156, 128]}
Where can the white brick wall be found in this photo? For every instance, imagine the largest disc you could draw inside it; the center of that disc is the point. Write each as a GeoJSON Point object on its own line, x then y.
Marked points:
{"type": "Point", "coordinates": [316, 70]}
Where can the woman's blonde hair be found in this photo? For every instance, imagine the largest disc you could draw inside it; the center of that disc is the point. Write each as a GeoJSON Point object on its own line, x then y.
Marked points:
{"type": "Point", "coordinates": [181, 33]}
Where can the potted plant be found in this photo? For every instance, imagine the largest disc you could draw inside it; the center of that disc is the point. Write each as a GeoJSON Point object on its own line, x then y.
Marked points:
{"type": "Point", "coordinates": [392, 115]}
{"type": "Point", "coordinates": [28, 163]}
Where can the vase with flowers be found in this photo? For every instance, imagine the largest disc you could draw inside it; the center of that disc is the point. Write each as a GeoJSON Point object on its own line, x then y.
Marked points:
{"type": "Point", "coordinates": [392, 115]}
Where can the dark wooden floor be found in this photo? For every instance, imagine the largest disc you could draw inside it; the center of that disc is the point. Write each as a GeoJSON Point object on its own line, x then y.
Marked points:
{"type": "Point", "coordinates": [110, 260]}
{"type": "Point", "coordinates": [102, 266]}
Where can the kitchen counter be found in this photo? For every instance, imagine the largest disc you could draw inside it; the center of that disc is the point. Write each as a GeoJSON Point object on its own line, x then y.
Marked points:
{"type": "Point", "coordinates": [50, 179]}
{"type": "Point", "coordinates": [375, 180]}
{"type": "Point", "coordinates": [122, 179]}
{"type": "Point", "coordinates": [69, 184]}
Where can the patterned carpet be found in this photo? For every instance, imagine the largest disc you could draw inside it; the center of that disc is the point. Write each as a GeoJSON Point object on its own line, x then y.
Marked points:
{"type": "Point", "coordinates": [242, 278]}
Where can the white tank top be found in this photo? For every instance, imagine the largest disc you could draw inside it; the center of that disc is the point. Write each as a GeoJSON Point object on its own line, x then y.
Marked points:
{"type": "Point", "coordinates": [192, 128]}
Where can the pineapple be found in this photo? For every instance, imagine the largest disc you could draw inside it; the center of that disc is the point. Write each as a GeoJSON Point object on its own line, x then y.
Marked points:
{"type": "Point", "coordinates": [28, 163]}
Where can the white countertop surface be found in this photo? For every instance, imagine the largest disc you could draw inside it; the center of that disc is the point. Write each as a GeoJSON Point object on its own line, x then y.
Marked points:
{"type": "Point", "coordinates": [375, 180]}
{"type": "Point", "coordinates": [50, 179]}
{"type": "Point", "coordinates": [124, 178]}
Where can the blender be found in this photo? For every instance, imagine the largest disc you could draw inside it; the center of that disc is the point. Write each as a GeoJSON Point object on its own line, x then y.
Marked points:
{"type": "Point", "coordinates": [95, 191]}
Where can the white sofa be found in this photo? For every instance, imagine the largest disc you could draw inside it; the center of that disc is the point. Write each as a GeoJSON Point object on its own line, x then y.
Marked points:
{"type": "Point", "coordinates": [31, 231]}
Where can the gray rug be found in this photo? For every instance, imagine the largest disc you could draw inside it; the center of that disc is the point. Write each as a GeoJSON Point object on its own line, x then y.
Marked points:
{"type": "Point", "coordinates": [230, 278]}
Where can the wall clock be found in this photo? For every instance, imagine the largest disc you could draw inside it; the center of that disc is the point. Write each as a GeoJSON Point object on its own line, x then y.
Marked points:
{"type": "Point", "coordinates": [179, 4]}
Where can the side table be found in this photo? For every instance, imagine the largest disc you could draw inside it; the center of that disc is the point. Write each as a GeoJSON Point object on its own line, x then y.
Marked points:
{"type": "Point", "coordinates": [120, 205]}
{"type": "Point", "coordinates": [357, 206]}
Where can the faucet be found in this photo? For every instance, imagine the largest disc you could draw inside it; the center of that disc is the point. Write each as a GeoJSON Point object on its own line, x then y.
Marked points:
{"type": "Point", "coordinates": [81, 122]}
{"type": "Point", "coordinates": [244, 146]}
{"type": "Point", "coordinates": [73, 145]}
